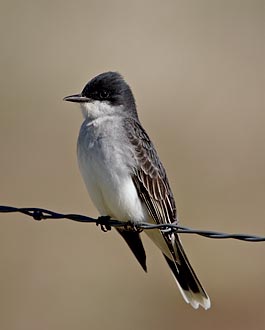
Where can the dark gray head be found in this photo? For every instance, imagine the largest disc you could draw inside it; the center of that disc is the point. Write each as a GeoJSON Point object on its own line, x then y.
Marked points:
{"type": "Point", "coordinates": [109, 93]}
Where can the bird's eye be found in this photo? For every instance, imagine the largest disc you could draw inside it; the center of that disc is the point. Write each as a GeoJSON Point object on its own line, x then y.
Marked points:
{"type": "Point", "coordinates": [103, 94]}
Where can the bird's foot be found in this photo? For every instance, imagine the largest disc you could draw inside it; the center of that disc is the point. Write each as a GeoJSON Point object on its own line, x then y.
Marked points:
{"type": "Point", "coordinates": [103, 222]}
{"type": "Point", "coordinates": [132, 226]}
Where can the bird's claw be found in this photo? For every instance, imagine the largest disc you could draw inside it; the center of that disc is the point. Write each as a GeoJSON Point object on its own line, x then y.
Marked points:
{"type": "Point", "coordinates": [103, 222]}
{"type": "Point", "coordinates": [131, 226]}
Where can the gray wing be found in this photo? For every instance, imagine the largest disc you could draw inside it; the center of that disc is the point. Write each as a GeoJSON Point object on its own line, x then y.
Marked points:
{"type": "Point", "coordinates": [152, 185]}
{"type": "Point", "coordinates": [149, 176]}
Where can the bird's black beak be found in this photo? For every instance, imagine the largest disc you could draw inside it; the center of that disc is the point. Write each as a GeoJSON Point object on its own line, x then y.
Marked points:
{"type": "Point", "coordinates": [78, 98]}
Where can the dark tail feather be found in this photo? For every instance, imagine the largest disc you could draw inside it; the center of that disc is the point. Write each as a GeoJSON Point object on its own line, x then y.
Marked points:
{"type": "Point", "coordinates": [134, 242]}
{"type": "Point", "coordinates": [189, 284]}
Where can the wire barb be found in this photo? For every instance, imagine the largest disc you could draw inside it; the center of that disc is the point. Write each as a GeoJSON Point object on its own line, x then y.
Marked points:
{"type": "Point", "coordinates": [106, 223]}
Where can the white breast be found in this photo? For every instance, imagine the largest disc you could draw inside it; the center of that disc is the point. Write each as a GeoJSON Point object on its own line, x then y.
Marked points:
{"type": "Point", "coordinates": [103, 165]}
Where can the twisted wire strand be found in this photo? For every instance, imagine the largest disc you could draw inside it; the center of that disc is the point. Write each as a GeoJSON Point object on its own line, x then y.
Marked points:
{"type": "Point", "coordinates": [106, 223]}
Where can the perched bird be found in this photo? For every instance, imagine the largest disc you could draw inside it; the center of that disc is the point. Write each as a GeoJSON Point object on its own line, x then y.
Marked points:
{"type": "Point", "coordinates": [125, 177]}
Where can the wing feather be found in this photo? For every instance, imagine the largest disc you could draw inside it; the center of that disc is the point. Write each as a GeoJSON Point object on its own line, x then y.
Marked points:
{"type": "Point", "coordinates": [152, 185]}
{"type": "Point", "coordinates": [149, 176]}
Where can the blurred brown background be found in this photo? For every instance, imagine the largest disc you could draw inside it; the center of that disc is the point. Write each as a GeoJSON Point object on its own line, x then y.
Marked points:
{"type": "Point", "coordinates": [197, 71]}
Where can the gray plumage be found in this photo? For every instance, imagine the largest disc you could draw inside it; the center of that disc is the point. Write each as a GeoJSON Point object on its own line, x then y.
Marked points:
{"type": "Point", "coordinates": [125, 177]}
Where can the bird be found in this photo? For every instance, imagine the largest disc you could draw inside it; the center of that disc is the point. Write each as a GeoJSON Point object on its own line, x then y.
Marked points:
{"type": "Point", "coordinates": [125, 178]}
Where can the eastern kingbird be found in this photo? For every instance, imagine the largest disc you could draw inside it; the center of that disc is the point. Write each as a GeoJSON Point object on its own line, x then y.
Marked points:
{"type": "Point", "coordinates": [125, 177]}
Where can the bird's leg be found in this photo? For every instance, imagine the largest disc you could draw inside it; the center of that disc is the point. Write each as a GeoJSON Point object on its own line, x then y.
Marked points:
{"type": "Point", "coordinates": [103, 222]}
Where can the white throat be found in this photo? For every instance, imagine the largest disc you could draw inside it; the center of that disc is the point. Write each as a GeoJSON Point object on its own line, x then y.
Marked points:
{"type": "Point", "coordinates": [97, 109]}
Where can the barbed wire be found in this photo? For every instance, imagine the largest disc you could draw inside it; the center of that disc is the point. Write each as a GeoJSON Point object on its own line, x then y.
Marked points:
{"type": "Point", "coordinates": [106, 223]}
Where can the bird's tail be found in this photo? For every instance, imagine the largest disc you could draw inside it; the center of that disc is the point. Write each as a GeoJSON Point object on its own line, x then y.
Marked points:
{"type": "Point", "coordinates": [188, 283]}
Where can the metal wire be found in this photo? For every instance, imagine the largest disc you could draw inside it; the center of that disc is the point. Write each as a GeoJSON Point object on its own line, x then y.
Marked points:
{"type": "Point", "coordinates": [106, 223]}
